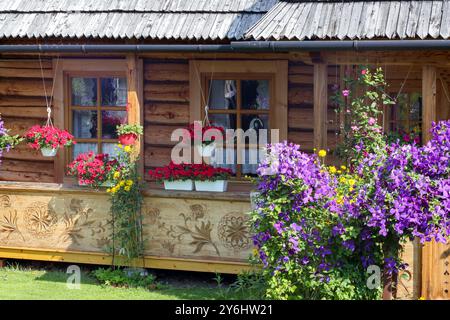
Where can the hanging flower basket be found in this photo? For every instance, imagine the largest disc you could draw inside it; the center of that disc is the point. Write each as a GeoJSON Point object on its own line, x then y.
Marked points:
{"type": "Point", "coordinates": [128, 133]}
{"type": "Point", "coordinates": [206, 150]}
{"type": "Point", "coordinates": [49, 152]}
{"type": "Point", "coordinates": [127, 139]}
{"type": "Point", "coordinates": [48, 139]}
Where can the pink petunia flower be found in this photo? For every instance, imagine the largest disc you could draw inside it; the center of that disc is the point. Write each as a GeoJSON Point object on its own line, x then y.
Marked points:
{"type": "Point", "coordinates": [345, 93]}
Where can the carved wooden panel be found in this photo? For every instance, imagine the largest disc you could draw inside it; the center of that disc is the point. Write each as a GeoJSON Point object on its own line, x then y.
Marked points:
{"type": "Point", "coordinates": [182, 228]}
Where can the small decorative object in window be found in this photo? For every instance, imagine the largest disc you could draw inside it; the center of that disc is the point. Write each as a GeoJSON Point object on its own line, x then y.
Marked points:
{"type": "Point", "coordinates": [207, 147]}
{"type": "Point", "coordinates": [7, 142]}
{"type": "Point", "coordinates": [209, 178]}
{"type": "Point", "coordinates": [174, 176]}
{"type": "Point", "coordinates": [92, 169]}
{"type": "Point", "coordinates": [48, 139]}
{"type": "Point", "coordinates": [128, 133]}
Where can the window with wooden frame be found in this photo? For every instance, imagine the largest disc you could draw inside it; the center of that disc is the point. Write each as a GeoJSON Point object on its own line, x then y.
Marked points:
{"type": "Point", "coordinates": [404, 118]}
{"type": "Point", "coordinates": [96, 104]}
{"type": "Point", "coordinates": [240, 95]}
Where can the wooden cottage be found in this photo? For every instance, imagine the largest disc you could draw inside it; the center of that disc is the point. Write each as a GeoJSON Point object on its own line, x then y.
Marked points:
{"type": "Point", "coordinates": [153, 62]}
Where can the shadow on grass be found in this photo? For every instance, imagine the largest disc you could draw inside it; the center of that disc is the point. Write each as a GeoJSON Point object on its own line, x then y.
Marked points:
{"type": "Point", "coordinates": [203, 290]}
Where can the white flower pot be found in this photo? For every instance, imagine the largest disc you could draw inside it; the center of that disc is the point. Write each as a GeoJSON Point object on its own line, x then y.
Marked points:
{"type": "Point", "coordinates": [49, 152]}
{"type": "Point", "coordinates": [213, 186]}
{"type": "Point", "coordinates": [206, 150]}
{"type": "Point", "coordinates": [185, 185]}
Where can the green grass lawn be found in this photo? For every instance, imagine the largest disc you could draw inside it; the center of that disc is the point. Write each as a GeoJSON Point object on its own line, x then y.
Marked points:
{"type": "Point", "coordinates": [28, 283]}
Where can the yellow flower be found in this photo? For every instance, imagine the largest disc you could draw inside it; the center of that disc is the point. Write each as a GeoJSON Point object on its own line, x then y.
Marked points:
{"type": "Point", "coordinates": [255, 252]}
{"type": "Point", "coordinates": [342, 180]}
{"type": "Point", "coordinates": [116, 175]}
{"type": "Point", "coordinates": [127, 188]}
{"type": "Point", "coordinates": [127, 149]}
{"type": "Point", "coordinates": [121, 183]}
{"type": "Point", "coordinates": [343, 167]}
{"type": "Point", "coordinates": [332, 169]}
{"type": "Point", "coordinates": [351, 182]}
{"type": "Point", "coordinates": [322, 153]}
{"type": "Point", "coordinates": [129, 183]}
{"type": "Point", "coordinates": [351, 189]}
{"type": "Point", "coordinates": [120, 146]}
{"type": "Point", "coordinates": [108, 190]}
{"type": "Point", "coordinates": [422, 298]}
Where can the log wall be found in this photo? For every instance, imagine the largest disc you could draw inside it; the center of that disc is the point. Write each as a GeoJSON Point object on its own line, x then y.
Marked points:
{"type": "Point", "coordinates": [22, 105]}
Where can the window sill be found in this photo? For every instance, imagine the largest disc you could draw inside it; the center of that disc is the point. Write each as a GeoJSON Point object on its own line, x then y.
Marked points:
{"type": "Point", "coordinates": [236, 191]}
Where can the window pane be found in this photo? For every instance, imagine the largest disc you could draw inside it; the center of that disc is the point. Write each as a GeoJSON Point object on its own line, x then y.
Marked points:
{"type": "Point", "coordinates": [255, 94]}
{"type": "Point", "coordinates": [84, 91]}
{"type": "Point", "coordinates": [226, 121]}
{"type": "Point", "coordinates": [110, 148]}
{"type": "Point", "coordinates": [222, 94]}
{"type": "Point", "coordinates": [225, 158]}
{"type": "Point", "coordinates": [85, 124]}
{"type": "Point", "coordinates": [250, 158]}
{"type": "Point", "coordinates": [110, 119]}
{"type": "Point", "coordinates": [253, 121]}
{"type": "Point", "coordinates": [82, 147]}
{"type": "Point", "coordinates": [114, 91]}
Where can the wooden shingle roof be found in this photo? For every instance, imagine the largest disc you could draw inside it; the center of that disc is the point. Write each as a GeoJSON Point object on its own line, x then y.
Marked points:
{"type": "Point", "coordinates": [341, 20]}
{"type": "Point", "coordinates": [130, 19]}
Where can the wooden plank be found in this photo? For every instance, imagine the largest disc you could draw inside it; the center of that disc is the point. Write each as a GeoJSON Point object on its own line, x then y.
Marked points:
{"type": "Point", "coordinates": [303, 118]}
{"type": "Point", "coordinates": [298, 95]}
{"type": "Point", "coordinates": [166, 113]}
{"type": "Point", "coordinates": [279, 113]}
{"type": "Point", "coordinates": [24, 112]}
{"type": "Point", "coordinates": [25, 87]}
{"type": "Point", "coordinates": [24, 152]}
{"type": "Point", "coordinates": [173, 92]}
{"type": "Point", "coordinates": [429, 100]}
{"type": "Point", "coordinates": [159, 135]}
{"type": "Point", "coordinates": [157, 71]}
{"type": "Point", "coordinates": [154, 262]}
{"type": "Point", "coordinates": [21, 125]}
{"type": "Point", "coordinates": [157, 156]}
{"type": "Point", "coordinates": [25, 73]}
{"type": "Point", "coordinates": [320, 105]}
{"type": "Point", "coordinates": [25, 64]}
{"type": "Point", "coordinates": [20, 101]}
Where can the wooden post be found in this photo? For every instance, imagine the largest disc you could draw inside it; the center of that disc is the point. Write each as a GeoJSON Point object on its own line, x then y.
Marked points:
{"type": "Point", "coordinates": [2, 263]}
{"type": "Point", "coordinates": [320, 105]}
{"type": "Point", "coordinates": [428, 100]}
{"type": "Point", "coordinates": [428, 116]}
{"type": "Point", "coordinates": [135, 108]}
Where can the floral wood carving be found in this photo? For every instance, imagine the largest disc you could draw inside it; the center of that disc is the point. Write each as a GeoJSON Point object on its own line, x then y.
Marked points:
{"type": "Point", "coordinates": [8, 224]}
{"type": "Point", "coordinates": [199, 231]}
{"type": "Point", "coordinates": [76, 219]}
{"type": "Point", "coordinates": [40, 220]}
{"type": "Point", "coordinates": [233, 231]}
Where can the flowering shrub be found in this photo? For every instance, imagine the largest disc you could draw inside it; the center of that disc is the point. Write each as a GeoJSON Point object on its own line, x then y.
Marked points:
{"type": "Point", "coordinates": [317, 229]}
{"type": "Point", "coordinates": [305, 242]}
{"type": "Point", "coordinates": [126, 205]}
{"type": "Point", "coordinates": [92, 169]}
{"type": "Point", "coordinates": [39, 137]}
{"type": "Point", "coordinates": [7, 142]}
{"type": "Point", "coordinates": [172, 172]}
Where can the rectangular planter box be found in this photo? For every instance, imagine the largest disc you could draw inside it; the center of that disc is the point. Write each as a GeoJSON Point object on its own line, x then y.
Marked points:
{"type": "Point", "coordinates": [184, 185]}
{"type": "Point", "coordinates": [213, 186]}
